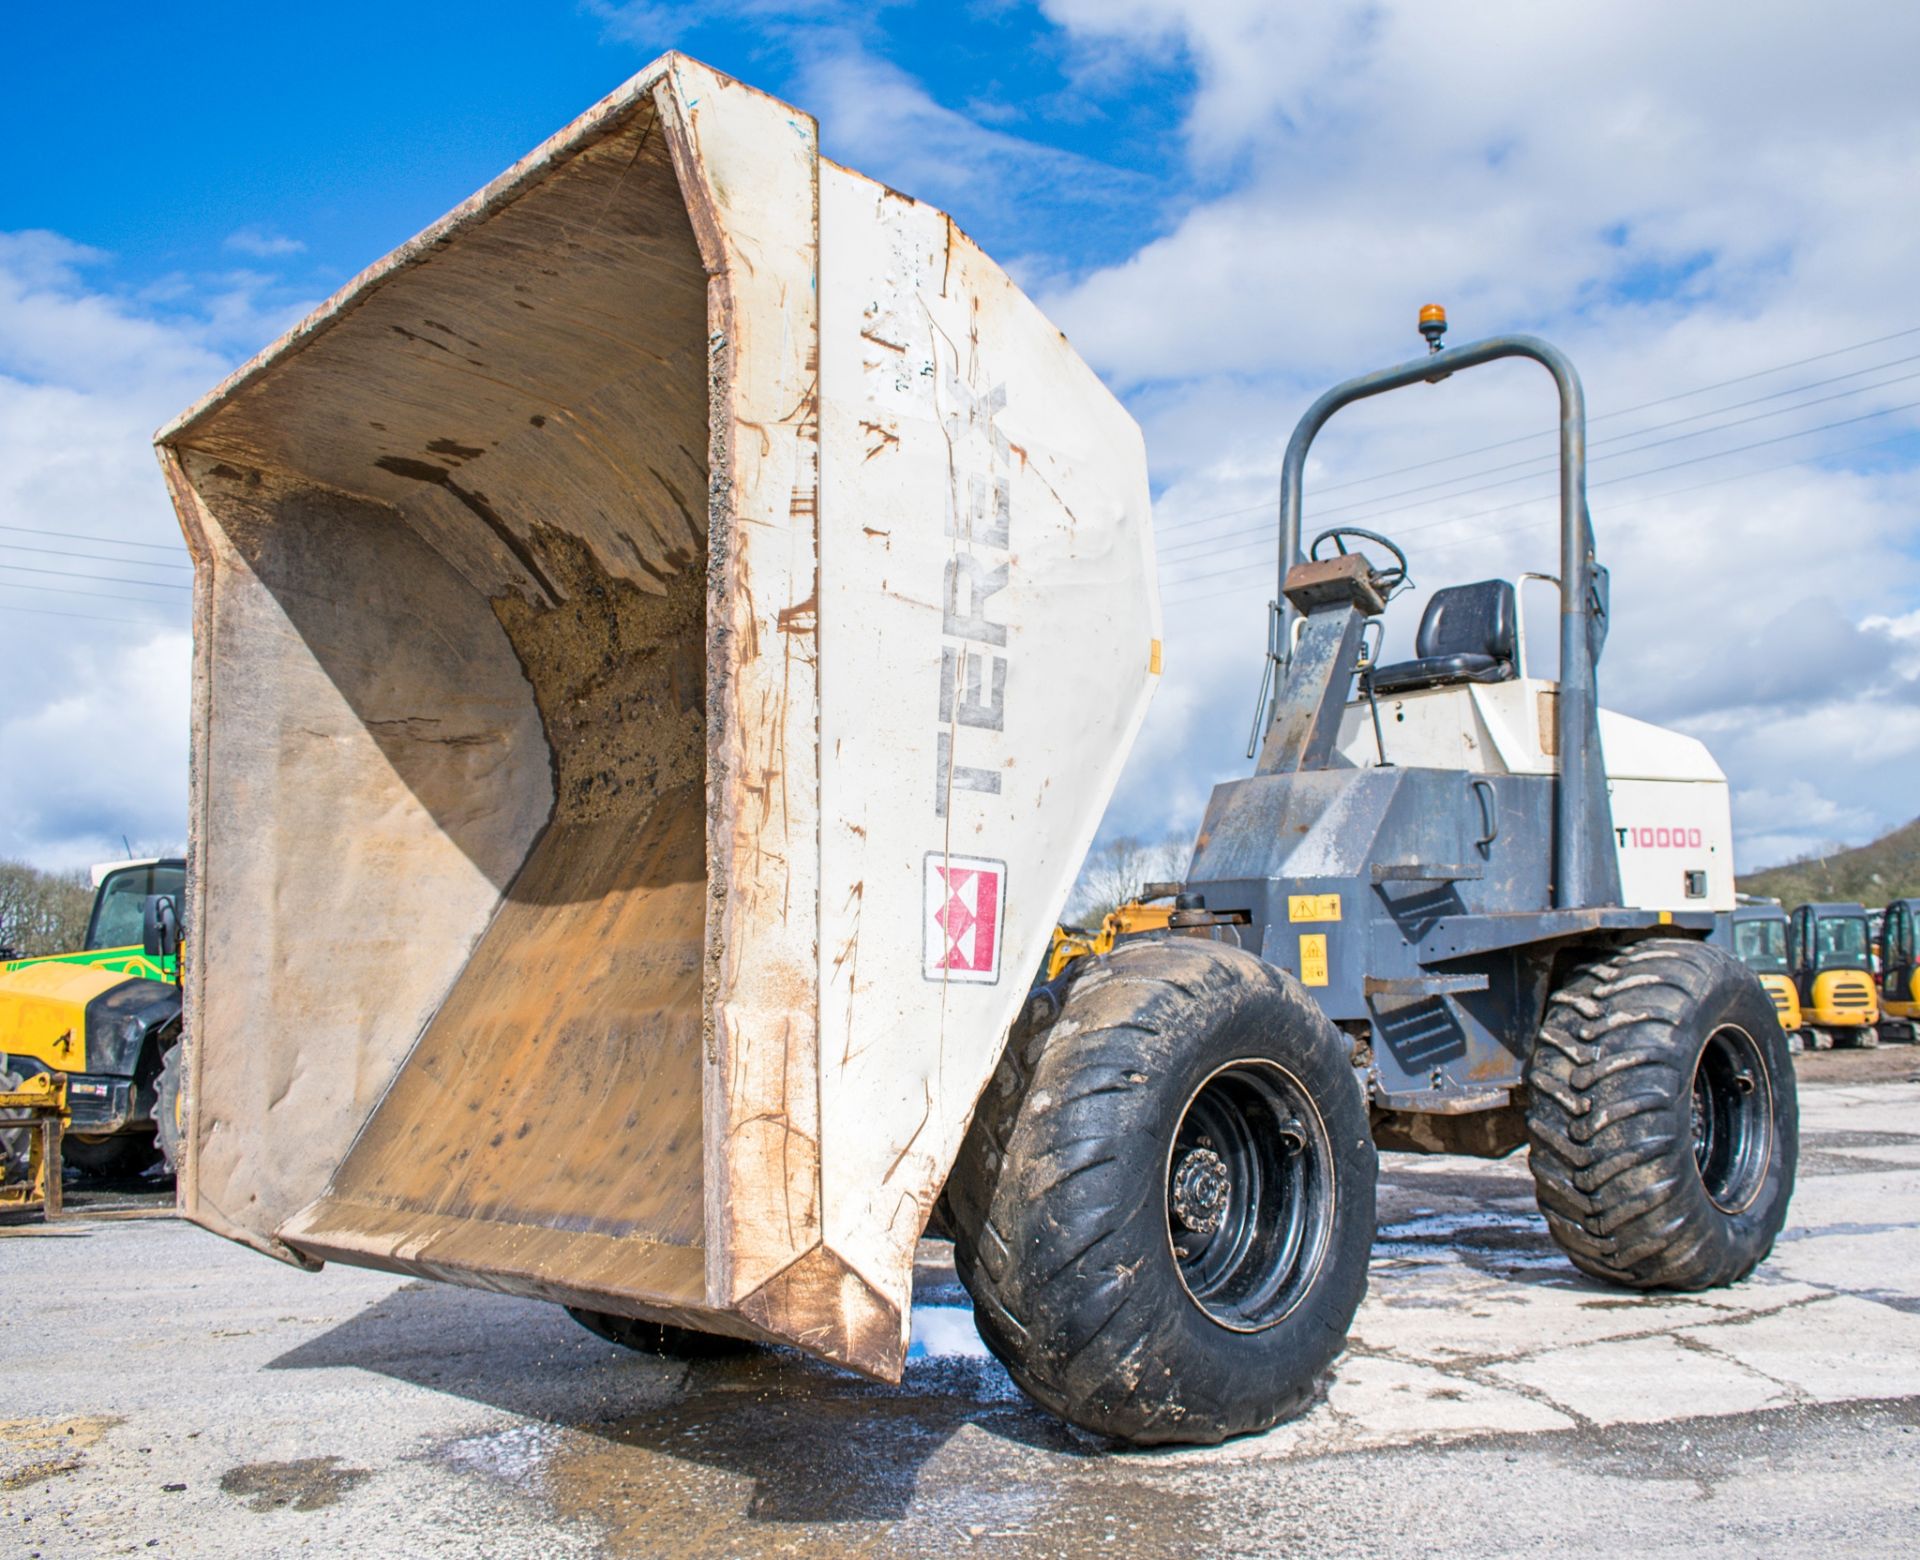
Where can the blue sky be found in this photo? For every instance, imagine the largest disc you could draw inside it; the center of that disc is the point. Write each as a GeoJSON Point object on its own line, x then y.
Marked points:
{"type": "Point", "coordinates": [1226, 204]}
{"type": "Point", "coordinates": [346, 128]}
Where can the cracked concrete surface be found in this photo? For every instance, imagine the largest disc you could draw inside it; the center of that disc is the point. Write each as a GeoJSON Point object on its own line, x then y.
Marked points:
{"type": "Point", "coordinates": [168, 1393]}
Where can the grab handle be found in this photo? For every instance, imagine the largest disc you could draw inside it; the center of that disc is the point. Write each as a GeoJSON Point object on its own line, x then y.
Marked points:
{"type": "Point", "coordinates": [1489, 800]}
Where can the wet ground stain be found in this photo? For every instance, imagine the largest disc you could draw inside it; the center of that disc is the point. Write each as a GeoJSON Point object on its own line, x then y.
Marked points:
{"type": "Point", "coordinates": [1840, 1152]}
{"type": "Point", "coordinates": [776, 1454]}
{"type": "Point", "coordinates": [305, 1484]}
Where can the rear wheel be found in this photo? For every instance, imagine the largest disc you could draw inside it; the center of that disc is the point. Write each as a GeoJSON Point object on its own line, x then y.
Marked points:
{"type": "Point", "coordinates": [1663, 1118]}
{"type": "Point", "coordinates": [122, 1156]}
{"type": "Point", "coordinates": [1164, 1206]}
{"type": "Point", "coordinates": [169, 1123]}
{"type": "Point", "coordinates": [662, 1338]}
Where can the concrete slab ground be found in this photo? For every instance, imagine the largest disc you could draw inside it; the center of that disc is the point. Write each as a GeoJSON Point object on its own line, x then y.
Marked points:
{"type": "Point", "coordinates": [166, 1393]}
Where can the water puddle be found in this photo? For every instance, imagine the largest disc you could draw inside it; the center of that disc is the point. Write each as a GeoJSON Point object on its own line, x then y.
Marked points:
{"type": "Point", "coordinates": [946, 1332]}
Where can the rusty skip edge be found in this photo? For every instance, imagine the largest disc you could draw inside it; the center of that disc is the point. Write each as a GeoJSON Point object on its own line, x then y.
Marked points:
{"type": "Point", "coordinates": [603, 119]}
{"type": "Point", "coordinates": [766, 1272]}
{"type": "Point", "coordinates": [766, 1263]}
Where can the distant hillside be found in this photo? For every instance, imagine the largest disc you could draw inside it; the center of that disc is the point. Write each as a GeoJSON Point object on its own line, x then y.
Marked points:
{"type": "Point", "coordinates": [1889, 868]}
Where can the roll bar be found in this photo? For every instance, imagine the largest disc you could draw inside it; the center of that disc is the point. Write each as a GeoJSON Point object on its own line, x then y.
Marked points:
{"type": "Point", "coordinates": [1586, 868]}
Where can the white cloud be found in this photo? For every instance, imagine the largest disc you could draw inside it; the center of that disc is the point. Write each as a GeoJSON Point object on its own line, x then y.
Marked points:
{"type": "Point", "coordinates": [101, 755]}
{"type": "Point", "coordinates": [876, 118]}
{"type": "Point", "coordinates": [93, 709]}
{"type": "Point", "coordinates": [1796, 819]}
{"type": "Point", "coordinates": [880, 120]}
{"type": "Point", "coordinates": [264, 243]}
{"type": "Point", "coordinates": [1627, 181]}
{"type": "Point", "coordinates": [1636, 181]}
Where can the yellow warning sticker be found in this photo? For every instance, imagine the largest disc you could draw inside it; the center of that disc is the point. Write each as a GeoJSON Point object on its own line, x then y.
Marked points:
{"type": "Point", "coordinates": [1313, 907]}
{"type": "Point", "coordinates": [1313, 958]}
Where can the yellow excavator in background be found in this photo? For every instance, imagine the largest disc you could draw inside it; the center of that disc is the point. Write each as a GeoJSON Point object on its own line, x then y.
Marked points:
{"type": "Point", "coordinates": [1757, 935]}
{"type": "Point", "coordinates": [1137, 915]}
{"type": "Point", "coordinates": [1900, 971]}
{"type": "Point", "coordinates": [1829, 947]}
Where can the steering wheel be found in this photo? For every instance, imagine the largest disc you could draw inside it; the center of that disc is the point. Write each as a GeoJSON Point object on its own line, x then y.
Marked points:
{"type": "Point", "coordinates": [1387, 580]}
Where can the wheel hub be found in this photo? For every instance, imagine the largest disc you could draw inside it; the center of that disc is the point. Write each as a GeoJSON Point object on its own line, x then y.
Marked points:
{"type": "Point", "coordinates": [1201, 1190]}
{"type": "Point", "coordinates": [1731, 1119]}
{"type": "Point", "coordinates": [1249, 1195]}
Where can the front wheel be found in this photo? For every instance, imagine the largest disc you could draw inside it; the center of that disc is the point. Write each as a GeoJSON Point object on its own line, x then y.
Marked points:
{"type": "Point", "coordinates": [169, 1115]}
{"type": "Point", "coordinates": [120, 1157]}
{"type": "Point", "coordinates": [1164, 1206]}
{"type": "Point", "coordinates": [1664, 1122]}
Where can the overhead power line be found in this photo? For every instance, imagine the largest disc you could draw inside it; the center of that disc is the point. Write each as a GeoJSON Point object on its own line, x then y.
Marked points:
{"type": "Point", "coordinates": [104, 595]}
{"type": "Point", "coordinates": [1548, 461]}
{"type": "Point", "coordinates": [85, 617]}
{"type": "Point", "coordinates": [1664, 400]}
{"type": "Point", "coordinates": [1681, 395]}
{"type": "Point", "coordinates": [75, 536]}
{"type": "Point", "coordinates": [1488, 487]}
{"type": "Point", "coordinates": [105, 579]}
{"type": "Point", "coordinates": [1262, 580]}
{"type": "Point", "coordinates": [61, 552]}
{"type": "Point", "coordinates": [1651, 471]}
{"type": "Point", "coordinates": [1628, 476]}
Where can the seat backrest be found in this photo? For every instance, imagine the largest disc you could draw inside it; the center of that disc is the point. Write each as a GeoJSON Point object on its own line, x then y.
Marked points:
{"type": "Point", "coordinates": [1472, 619]}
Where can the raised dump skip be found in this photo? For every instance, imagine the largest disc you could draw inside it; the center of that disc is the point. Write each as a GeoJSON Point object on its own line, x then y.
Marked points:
{"type": "Point", "coordinates": [664, 638]}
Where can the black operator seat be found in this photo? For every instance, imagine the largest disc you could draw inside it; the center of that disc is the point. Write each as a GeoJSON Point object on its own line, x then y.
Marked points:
{"type": "Point", "coordinates": [1466, 635]}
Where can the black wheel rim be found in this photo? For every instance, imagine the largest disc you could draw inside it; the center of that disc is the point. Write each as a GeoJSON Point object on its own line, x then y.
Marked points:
{"type": "Point", "coordinates": [1250, 1195]}
{"type": "Point", "coordinates": [1732, 1118]}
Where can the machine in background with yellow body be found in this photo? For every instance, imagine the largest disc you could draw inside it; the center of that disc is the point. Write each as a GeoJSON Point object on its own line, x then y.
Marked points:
{"type": "Point", "coordinates": [1900, 970]}
{"type": "Point", "coordinates": [108, 1017]}
{"type": "Point", "coordinates": [1136, 916]}
{"type": "Point", "coordinates": [31, 1116]}
{"type": "Point", "coordinates": [1757, 935]}
{"type": "Point", "coordinates": [1829, 947]}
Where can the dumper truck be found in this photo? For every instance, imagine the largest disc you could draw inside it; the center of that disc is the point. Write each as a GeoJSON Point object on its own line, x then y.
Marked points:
{"type": "Point", "coordinates": [634, 790]}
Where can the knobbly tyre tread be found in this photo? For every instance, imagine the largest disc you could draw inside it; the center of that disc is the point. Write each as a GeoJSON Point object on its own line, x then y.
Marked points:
{"type": "Point", "coordinates": [166, 1100]}
{"type": "Point", "coordinates": [1609, 1089]}
{"type": "Point", "coordinates": [15, 1144]}
{"type": "Point", "coordinates": [661, 1338]}
{"type": "Point", "coordinates": [1057, 1202]}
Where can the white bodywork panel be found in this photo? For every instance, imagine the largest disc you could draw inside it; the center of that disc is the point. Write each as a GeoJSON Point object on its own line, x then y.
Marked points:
{"type": "Point", "coordinates": [1671, 810]}
{"type": "Point", "coordinates": [631, 788]}
{"type": "Point", "coordinates": [984, 507]}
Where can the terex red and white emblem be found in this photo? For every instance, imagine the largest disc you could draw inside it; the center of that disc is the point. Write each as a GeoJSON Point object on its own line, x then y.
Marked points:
{"type": "Point", "coordinates": [966, 901]}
